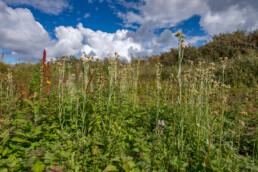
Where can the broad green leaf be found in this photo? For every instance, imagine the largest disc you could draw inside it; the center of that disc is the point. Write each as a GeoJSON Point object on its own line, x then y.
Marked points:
{"type": "Point", "coordinates": [65, 154]}
{"type": "Point", "coordinates": [116, 159]}
{"type": "Point", "coordinates": [30, 161]}
{"type": "Point", "coordinates": [110, 168]}
{"type": "Point", "coordinates": [50, 156]}
{"type": "Point", "coordinates": [16, 139]}
{"type": "Point", "coordinates": [3, 170]}
{"type": "Point", "coordinates": [131, 164]}
{"type": "Point", "coordinates": [126, 167]}
{"type": "Point", "coordinates": [38, 167]}
{"type": "Point", "coordinates": [136, 150]}
{"type": "Point", "coordinates": [5, 151]}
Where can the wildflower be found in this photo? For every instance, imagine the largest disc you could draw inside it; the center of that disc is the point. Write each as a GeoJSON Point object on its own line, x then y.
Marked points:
{"type": "Point", "coordinates": [161, 122]}
{"type": "Point", "coordinates": [48, 82]}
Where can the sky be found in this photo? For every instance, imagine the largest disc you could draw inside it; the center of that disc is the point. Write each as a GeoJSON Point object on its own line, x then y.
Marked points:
{"type": "Point", "coordinates": [132, 28]}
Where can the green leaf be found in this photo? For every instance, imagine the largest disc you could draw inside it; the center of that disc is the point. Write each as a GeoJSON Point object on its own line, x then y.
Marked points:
{"type": "Point", "coordinates": [131, 164]}
{"type": "Point", "coordinates": [16, 139]}
{"type": "Point", "coordinates": [50, 156]}
{"type": "Point", "coordinates": [36, 108]}
{"type": "Point", "coordinates": [29, 102]}
{"type": "Point", "coordinates": [5, 151]}
{"type": "Point", "coordinates": [5, 140]}
{"type": "Point", "coordinates": [38, 167]}
{"type": "Point", "coordinates": [65, 154]}
{"type": "Point", "coordinates": [116, 159]}
{"type": "Point", "coordinates": [126, 167]}
{"type": "Point", "coordinates": [30, 161]}
{"type": "Point", "coordinates": [136, 150]}
{"type": "Point", "coordinates": [3, 170]}
{"type": "Point", "coordinates": [38, 130]}
{"type": "Point", "coordinates": [110, 168]}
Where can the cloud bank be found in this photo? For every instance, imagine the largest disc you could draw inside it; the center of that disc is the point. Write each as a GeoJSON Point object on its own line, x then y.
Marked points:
{"type": "Point", "coordinates": [22, 36]}
{"type": "Point", "coordinates": [216, 16]}
{"type": "Point", "coordinates": [26, 38]}
{"type": "Point", "coordinates": [54, 7]}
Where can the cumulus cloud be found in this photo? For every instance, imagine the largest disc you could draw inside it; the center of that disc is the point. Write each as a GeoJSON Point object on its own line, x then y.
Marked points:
{"type": "Point", "coordinates": [102, 43]}
{"type": "Point", "coordinates": [54, 7]}
{"type": "Point", "coordinates": [164, 13]}
{"type": "Point", "coordinates": [229, 19]}
{"type": "Point", "coordinates": [69, 42]}
{"type": "Point", "coordinates": [216, 16]}
{"type": "Point", "coordinates": [22, 36]}
{"type": "Point", "coordinates": [20, 33]}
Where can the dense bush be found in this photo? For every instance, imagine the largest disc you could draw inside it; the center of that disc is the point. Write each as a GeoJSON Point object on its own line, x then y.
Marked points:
{"type": "Point", "coordinates": [230, 45]}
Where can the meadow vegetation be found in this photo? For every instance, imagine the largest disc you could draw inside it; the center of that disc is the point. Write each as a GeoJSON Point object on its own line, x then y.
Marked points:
{"type": "Point", "coordinates": [190, 109]}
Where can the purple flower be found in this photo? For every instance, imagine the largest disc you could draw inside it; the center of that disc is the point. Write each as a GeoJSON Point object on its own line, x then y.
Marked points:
{"type": "Point", "coordinates": [161, 122]}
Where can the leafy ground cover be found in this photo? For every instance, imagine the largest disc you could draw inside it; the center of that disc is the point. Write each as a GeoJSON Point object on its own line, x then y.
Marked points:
{"type": "Point", "coordinates": [91, 115]}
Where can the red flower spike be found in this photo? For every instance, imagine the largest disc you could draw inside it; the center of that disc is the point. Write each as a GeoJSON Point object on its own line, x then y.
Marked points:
{"type": "Point", "coordinates": [48, 76]}
{"type": "Point", "coordinates": [44, 69]}
{"type": "Point", "coordinates": [44, 56]}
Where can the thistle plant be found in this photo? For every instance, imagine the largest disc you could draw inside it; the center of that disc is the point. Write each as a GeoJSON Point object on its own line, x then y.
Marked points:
{"type": "Point", "coordinates": [181, 47]}
{"type": "Point", "coordinates": [10, 87]}
{"type": "Point", "coordinates": [158, 89]}
{"type": "Point", "coordinates": [135, 82]}
{"type": "Point", "coordinates": [61, 100]}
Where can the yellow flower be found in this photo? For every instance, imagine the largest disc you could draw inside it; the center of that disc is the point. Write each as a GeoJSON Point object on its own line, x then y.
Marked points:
{"type": "Point", "coordinates": [49, 82]}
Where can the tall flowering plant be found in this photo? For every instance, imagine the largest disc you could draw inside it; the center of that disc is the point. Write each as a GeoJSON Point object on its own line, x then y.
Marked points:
{"type": "Point", "coordinates": [46, 73]}
{"type": "Point", "coordinates": [44, 70]}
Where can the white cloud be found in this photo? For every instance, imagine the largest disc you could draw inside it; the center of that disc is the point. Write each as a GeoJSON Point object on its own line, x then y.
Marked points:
{"type": "Point", "coordinates": [25, 38]}
{"type": "Point", "coordinates": [22, 36]}
{"type": "Point", "coordinates": [102, 43]}
{"type": "Point", "coordinates": [230, 20]}
{"type": "Point", "coordinates": [69, 42]}
{"type": "Point", "coordinates": [86, 15]}
{"type": "Point", "coordinates": [20, 33]}
{"type": "Point", "coordinates": [54, 7]}
{"type": "Point", "coordinates": [216, 16]}
{"type": "Point", "coordinates": [164, 13]}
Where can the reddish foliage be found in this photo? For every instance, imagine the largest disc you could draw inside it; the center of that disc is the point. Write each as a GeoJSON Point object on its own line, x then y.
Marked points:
{"type": "Point", "coordinates": [24, 94]}
{"type": "Point", "coordinates": [88, 86]}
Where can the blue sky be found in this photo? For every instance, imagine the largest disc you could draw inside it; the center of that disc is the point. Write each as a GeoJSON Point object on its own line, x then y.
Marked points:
{"type": "Point", "coordinates": [102, 27]}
